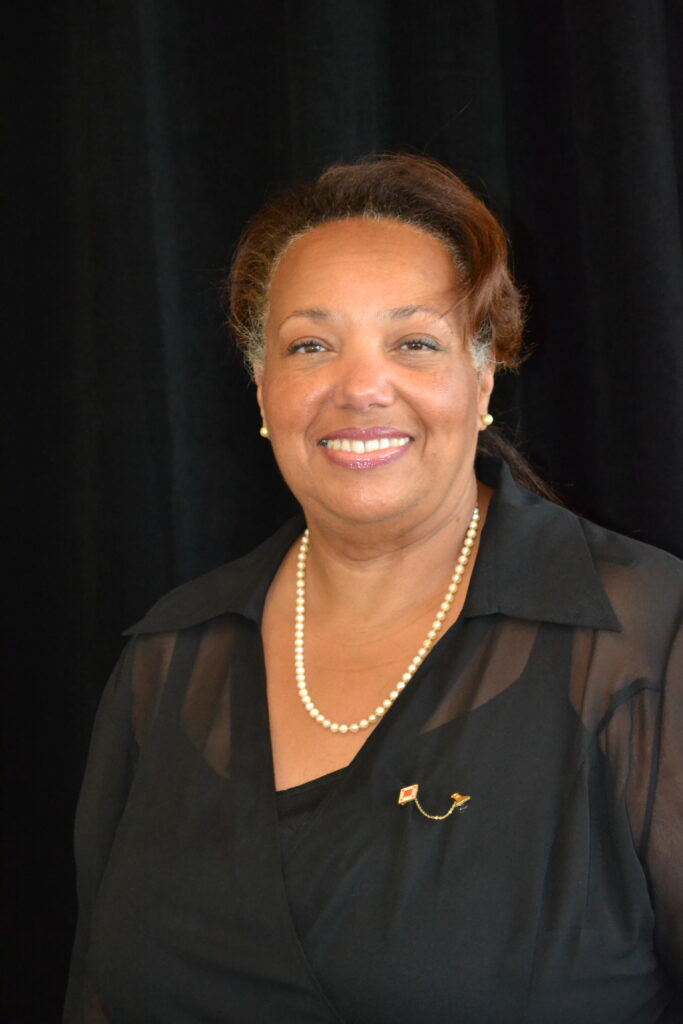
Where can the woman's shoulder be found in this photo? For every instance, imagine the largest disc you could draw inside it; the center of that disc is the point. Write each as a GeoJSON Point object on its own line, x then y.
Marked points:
{"type": "Point", "coordinates": [551, 564]}
{"type": "Point", "coordinates": [644, 586]}
{"type": "Point", "coordinates": [237, 587]}
{"type": "Point", "coordinates": [626, 562]}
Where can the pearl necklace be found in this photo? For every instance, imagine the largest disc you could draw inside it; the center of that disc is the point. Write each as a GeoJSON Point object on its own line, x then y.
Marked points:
{"type": "Point", "coordinates": [432, 635]}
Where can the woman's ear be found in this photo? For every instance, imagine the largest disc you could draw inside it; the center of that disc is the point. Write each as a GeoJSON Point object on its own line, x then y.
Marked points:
{"type": "Point", "coordinates": [257, 372]}
{"type": "Point", "coordinates": [259, 398]}
{"type": "Point", "coordinates": [486, 380]}
{"type": "Point", "coordinates": [258, 380]}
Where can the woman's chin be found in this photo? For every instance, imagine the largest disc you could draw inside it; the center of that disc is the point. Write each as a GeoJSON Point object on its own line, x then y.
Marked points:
{"type": "Point", "coordinates": [364, 507]}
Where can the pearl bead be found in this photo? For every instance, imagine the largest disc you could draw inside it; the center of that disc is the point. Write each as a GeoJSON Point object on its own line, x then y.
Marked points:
{"type": "Point", "coordinates": [299, 626]}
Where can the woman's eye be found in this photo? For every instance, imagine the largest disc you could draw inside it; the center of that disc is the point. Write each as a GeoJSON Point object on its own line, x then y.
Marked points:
{"type": "Point", "coordinates": [419, 344]}
{"type": "Point", "coordinates": [310, 345]}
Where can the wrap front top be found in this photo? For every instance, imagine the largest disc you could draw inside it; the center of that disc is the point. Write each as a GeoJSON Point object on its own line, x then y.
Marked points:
{"type": "Point", "coordinates": [555, 702]}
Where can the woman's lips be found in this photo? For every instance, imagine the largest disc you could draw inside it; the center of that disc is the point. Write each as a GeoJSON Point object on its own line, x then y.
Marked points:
{"type": "Point", "coordinates": [362, 447]}
{"type": "Point", "coordinates": [365, 448]}
{"type": "Point", "coordinates": [364, 433]}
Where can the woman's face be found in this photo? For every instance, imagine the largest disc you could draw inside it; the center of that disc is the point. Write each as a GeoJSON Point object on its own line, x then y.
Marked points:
{"type": "Point", "coordinates": [368, 387]}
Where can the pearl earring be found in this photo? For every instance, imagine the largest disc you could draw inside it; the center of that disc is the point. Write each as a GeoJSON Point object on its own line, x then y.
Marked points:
{"type": "Point", "coordinates": [264, 431]}
{"type": "Point", "coordinates": [487, 419]}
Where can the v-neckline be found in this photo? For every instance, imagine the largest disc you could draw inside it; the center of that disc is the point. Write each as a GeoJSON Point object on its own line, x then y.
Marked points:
{"type": "Point", "coordinates": [258, 606]}
{"type": "Point", "coordinates": [344, 779]}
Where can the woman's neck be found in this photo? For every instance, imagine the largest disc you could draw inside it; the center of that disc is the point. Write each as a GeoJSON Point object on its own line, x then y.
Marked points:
{"type": "Point", "coordinates": [372, 578]}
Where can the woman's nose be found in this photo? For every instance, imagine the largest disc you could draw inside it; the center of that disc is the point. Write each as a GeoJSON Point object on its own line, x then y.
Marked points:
{"type": "Point", "coordinates": [363, 380]}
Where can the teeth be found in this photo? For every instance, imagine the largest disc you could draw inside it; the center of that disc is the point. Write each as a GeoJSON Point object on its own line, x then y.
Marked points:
{"type": "Point", "coordinates": [362, 447]}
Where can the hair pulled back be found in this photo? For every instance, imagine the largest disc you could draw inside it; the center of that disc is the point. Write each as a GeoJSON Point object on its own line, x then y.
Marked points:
{"type": "Point", "coordinates": [414, 190]}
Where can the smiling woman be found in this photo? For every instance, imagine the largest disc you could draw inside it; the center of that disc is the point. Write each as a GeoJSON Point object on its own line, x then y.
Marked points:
{"type": "Point", "coordinates": [433, 724]}
{"type": "Point", "coordinates": [364, 342]}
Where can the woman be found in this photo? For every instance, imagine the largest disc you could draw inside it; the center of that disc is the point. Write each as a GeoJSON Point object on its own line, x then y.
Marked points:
{"type": "Point", "coordinates": [416, 757]}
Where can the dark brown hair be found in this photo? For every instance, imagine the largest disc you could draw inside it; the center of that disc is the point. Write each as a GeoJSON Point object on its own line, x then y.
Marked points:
{"type": "Point", "coordinates": [414, 190]}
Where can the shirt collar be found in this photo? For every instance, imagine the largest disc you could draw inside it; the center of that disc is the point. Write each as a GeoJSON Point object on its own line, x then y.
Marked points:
{"type": "Point", "coordinates": [534, 562]}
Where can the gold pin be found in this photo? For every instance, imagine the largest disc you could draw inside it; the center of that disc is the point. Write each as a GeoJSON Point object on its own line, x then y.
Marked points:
{"type": "Point", "coordinates": [409, 795]}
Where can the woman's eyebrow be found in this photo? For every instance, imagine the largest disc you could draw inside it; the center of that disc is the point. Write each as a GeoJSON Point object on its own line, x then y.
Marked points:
{"type": "Point", "coordinates": [309, 314]}
{"type": "Point", "coordinates": [398, 313]}
{"type": "Point", "coordinates": [404, 312]}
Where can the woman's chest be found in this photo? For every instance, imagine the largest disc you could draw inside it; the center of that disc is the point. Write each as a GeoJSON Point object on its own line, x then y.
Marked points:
{"type": "Point", "coordinates": [328, 694]}
{"type": "Point", "coordinates": [528, 906]}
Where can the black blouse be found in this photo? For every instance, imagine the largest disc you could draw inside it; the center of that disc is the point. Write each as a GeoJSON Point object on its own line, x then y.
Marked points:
{"type": "Point", "coordinates": [555, 702]}
{"type": "Point", "coordinates": [296, 805]}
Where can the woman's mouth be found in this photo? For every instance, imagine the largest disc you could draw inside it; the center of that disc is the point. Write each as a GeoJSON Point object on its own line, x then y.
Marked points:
{"type": "Point", "coordinates": [344, 444]}
{"type": "Point", "coordinates": [365, 448]}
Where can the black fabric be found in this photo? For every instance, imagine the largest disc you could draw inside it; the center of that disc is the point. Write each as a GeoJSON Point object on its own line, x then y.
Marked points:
{"type": "Point", "coordinates": [296, 805]}
{"type": "Point", "coordinates": [562, 881]}
{"type": "Point", "coordinates": [139, 136]}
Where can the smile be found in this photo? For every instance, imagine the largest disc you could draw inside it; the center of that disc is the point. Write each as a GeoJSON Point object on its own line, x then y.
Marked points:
{"type": "Point", "coordinates": [363, 447]}
{"type": "Point", "coordinates": [363, 453]}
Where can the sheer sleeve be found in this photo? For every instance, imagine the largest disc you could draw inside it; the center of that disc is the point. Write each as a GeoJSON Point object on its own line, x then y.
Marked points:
{"type": "Point", "coordinates": [109, 771]}
{"type": "Point", "coordinates": [663, 825]}
{"type": "Point", "coordinates": [643, 738]}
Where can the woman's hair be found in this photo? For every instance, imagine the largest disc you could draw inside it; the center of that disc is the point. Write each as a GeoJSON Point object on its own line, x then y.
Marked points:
{"type": "Point", "coordinates": [413, 190]}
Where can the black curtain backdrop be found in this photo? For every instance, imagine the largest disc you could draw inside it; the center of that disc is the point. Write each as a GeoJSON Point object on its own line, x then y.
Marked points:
{"type": "Point", "coordinates": [142, 134]}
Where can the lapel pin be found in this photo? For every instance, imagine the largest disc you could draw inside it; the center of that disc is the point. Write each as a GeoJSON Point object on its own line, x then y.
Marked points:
{"type": "Point", "coordinates": [409, 795]}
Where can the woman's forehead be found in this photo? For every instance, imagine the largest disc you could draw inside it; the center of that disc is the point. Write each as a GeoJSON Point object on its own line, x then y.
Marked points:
{"type": "Point", "coordinates": [388, 264]}
{"type": "Point", "coordinates": [360, 235]}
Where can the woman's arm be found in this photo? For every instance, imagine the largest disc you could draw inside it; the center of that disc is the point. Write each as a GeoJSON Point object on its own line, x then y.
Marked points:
{"type": "Point", "coordinates": [663, 842]}
{"type": "Point", "coordinates": [110, 766]}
